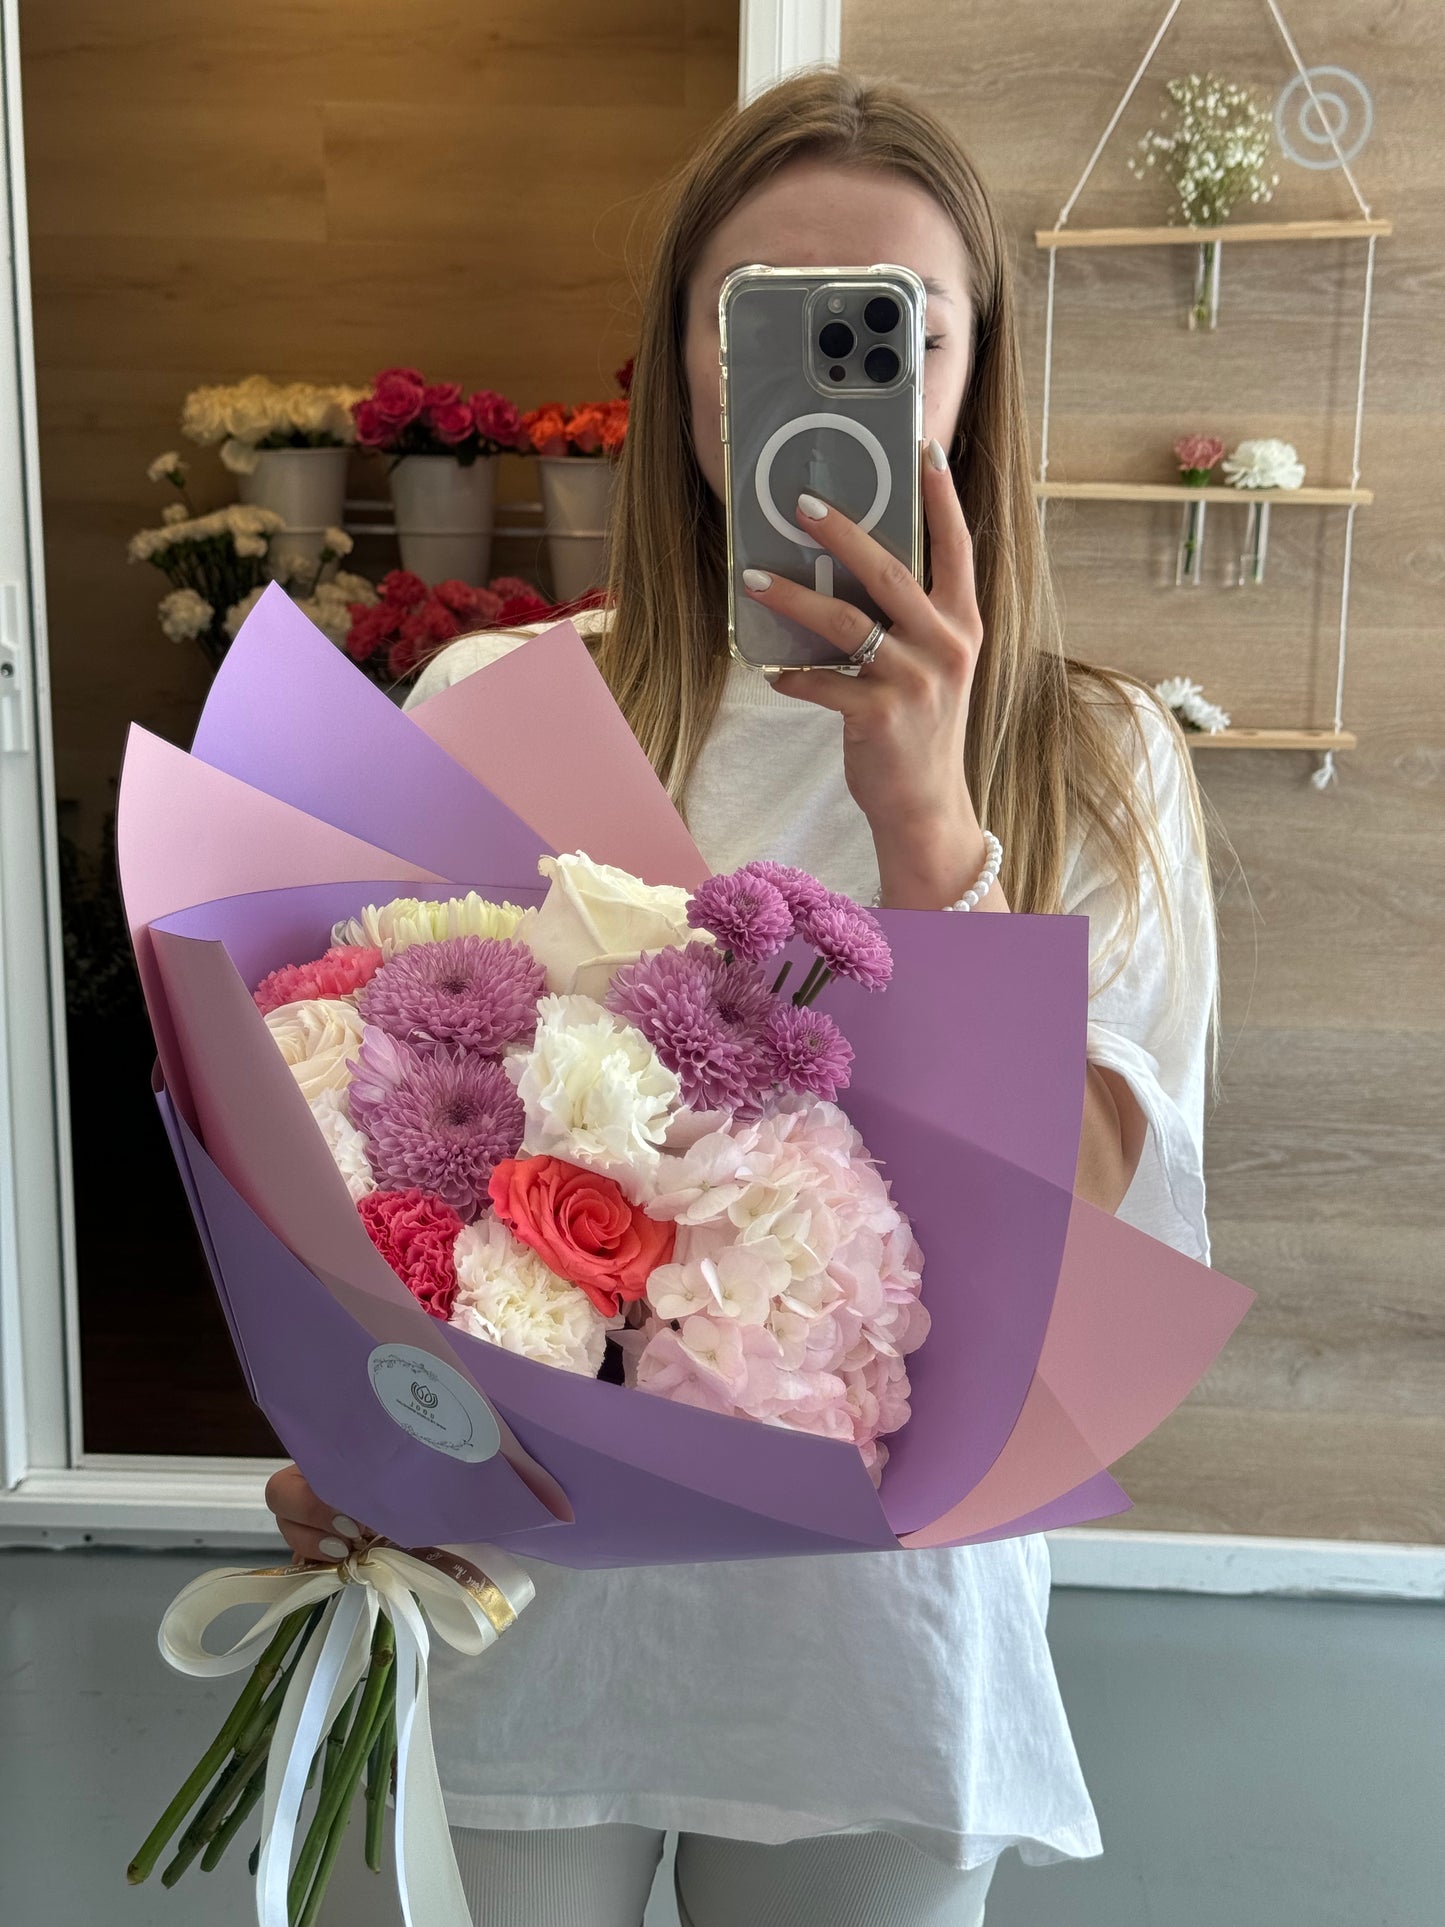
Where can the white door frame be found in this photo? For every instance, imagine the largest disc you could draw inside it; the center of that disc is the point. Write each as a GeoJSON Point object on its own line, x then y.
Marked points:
{"type": "Point", "coordinates": [51, 1490]}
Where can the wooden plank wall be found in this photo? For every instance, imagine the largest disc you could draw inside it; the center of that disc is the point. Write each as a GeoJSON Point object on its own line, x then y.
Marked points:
{"type": "Point", "coordinates": [312, 189]}
{"type": "Point", "coordinates": [1326, 1156]}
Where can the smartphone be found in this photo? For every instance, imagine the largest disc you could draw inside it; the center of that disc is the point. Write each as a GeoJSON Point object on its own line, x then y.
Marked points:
{"type": "Point", "coordinates": [821, 391]}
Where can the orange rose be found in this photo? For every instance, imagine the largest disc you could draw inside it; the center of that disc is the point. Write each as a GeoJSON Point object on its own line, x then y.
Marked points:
{"type": "Point", "coordinates": [546, 428]}
{"type": "Point", "coordinates": [582, 1226]}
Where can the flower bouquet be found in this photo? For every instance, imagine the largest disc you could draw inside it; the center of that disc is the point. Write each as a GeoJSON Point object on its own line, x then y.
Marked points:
{"type": "Point", "coordinates": [443, 480]}
{"type": "Point", "coordinates": [824, 1250]}
{"type": "Point", "coordinates": [577, 451]}
{"type": "Point", "coordinates": [220, 565]}
{"type": "Point", "coordinates": [391, 638]}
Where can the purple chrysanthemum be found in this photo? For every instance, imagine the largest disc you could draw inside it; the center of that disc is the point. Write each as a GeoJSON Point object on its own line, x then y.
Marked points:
{"type": "Point", "coordinates": [704, 1018]}
{"type": "Point", "coordinates": [746, 913]}
{"type": "Point", "coordinates": [849, 940]}
{"type": "Point", "coordinates": [477, 992]}
{"type": "Point", "coordinates": [438, 1121]}
{"type": "Point", "coordinates": [797, 889]}
{"type": "Point", "coordinates": [809, 1052]}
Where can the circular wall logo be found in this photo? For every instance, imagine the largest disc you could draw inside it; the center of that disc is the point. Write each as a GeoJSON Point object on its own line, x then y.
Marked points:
{"type": "Point", "coordinates": [434, 1404]}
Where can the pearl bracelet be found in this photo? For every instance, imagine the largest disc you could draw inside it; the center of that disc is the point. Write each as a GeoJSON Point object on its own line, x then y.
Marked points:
{"type": "Point", "coordinates": [987, 876]}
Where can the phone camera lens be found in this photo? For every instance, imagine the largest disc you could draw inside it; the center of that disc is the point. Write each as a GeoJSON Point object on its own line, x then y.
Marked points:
{"type": "Point", "coordinates": [881, 364]}
{"type": "Point", "coordinates": [837, 372]}
{"type": "Point", "coordinates": [881, 314]}
{"type": "Point", "coordinates": [836, 340]}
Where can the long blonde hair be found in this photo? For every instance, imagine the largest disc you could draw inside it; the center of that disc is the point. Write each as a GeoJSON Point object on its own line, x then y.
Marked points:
{"type": "Point", "coordinates": [1047, 749]}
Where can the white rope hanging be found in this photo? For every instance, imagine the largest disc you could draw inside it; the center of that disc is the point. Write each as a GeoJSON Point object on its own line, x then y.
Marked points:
{"type": "Point", "coordinates": [1326, 773]}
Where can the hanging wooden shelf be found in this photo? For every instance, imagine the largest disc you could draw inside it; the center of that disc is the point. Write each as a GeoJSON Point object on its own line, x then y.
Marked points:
{"type": "Point", "coordinates": [1271, 738]}
{"type": "Point", "coordinates": [1193, 237]}
{"type": "Point", "coordinates": [1181, 492]}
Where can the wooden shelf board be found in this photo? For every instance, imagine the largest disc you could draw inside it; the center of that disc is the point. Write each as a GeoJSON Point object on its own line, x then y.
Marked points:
{"type": "Point", "coordinates": [1271, 739]}
{"type": "Point", "coordinates": [1181, 492]}
{"type": "Point", "coordinates": [1164, 237]}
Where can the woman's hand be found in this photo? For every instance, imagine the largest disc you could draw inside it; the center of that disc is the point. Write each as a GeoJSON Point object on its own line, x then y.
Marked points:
{"type": "Point", "coordinates": [906, 715]}
{"type": "Point", "coordinates": [312, 1529]}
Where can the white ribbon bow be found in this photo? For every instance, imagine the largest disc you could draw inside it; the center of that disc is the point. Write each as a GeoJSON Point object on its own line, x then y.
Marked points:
{"type": "Point", "coordinates": [468, 1608]}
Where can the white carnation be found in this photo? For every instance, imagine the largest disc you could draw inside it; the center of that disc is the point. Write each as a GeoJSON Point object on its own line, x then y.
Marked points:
{"type": "Point", "coordinates": [316, 1036]}
{"type": "Point", "coordinates": [185, 615]}
{"type": "Point", "coordinates": [238, 611]}
{"type": "Point", "coordinates": [175, 512]}
{"type": "Point", "coordinates": [337, 541]}
{"type": "Point", "coordinates": [165, 466]}
{"type": "Point", "coordinates": [1264, 464]}
{"type": "Point", "coordinates": [594, 1091]}
{"type": "Point", "coordinates": [202, 416]}
{"type": "Point", "coordinates": [345, 1143]}
{"type": "Point", "coordinates": [396, 926]}
{"type": "Point", "coordinates": [506, 1295]}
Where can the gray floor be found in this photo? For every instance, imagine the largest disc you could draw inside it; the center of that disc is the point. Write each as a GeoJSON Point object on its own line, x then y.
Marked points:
{"type": "Point", "coordinates": [1255, 1763]}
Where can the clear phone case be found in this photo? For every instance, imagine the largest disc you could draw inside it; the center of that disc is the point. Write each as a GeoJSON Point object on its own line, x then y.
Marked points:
{"type": "Point", "coordinates": [812, 401]}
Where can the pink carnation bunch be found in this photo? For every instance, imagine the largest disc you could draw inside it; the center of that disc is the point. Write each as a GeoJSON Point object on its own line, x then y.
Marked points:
{"type": "Point", "coordinates": [344, 970]}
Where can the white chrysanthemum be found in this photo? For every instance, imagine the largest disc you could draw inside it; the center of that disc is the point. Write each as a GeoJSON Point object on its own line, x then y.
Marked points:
{"type": "Point", "coordinates": [316, 1036]}
{"type": "Point", "coordinates": [396, 926]}
{"type": "Point", "coordinates": [165, 466]}
{"type": "Point", "coordinates": [1266, 463]}
{"type": "Point", "coordinates": [185, 615]}
{"type": "Point", "coordinates": [507, 1295]}
{"type": "Point", "coordinates": [238, 611]}
{"type": "Point", "coordinates": [345, 1143]}
{"type": "Point", "coordinates": [594, 1090]}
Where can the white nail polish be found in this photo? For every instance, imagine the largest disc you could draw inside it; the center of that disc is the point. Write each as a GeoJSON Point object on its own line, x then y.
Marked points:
{"type": "Point", "coordinates": [935, 452]}
{"type": "Point", "coordinates": [348, 1528]}
{"type": "Point", "coordinates": [810, 506]}
{"type": "Point", "coordinates": [334, 1549]}
{"type": "Point", "coordinates": [757, 579]}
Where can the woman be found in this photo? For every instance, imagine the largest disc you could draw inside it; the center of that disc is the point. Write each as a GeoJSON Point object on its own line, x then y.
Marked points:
{"type": "Point", "coordinates": [848, 1740]}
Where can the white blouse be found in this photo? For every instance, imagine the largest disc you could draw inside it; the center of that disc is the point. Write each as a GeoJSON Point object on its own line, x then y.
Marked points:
{"type": "Point", "coordinates": [773, 1699]}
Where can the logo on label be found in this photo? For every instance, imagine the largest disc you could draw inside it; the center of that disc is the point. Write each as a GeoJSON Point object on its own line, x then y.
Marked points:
{"type": "Point", "coordinates": [434, 1404]}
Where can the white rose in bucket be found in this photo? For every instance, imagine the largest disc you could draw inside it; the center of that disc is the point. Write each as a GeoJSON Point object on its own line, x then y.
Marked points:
{"type": "Point", "coordinates": [594, 919]}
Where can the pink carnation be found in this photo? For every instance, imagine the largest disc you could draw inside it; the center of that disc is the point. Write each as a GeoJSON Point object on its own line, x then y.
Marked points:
{"type": "Point", "coordinates": [415, 1233]}
{"type": "Point", "coordinates": [340, 973]}
{"type": "Point", "coordinates": [1197, 454]}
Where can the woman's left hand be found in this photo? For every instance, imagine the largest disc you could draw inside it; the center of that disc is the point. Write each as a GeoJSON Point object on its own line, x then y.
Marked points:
{"type": "Point", "coordinates": [906, 715]}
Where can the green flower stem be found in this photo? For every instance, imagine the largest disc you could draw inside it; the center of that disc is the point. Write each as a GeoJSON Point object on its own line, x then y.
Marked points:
{"type": "Point", "coordinates": [343, 1770]}
{"type": "Point", "coordinates": [215, 1755]}
{"type": "Point", "coordinates": [812, 983]}
{"type": "Point", "coordinates": [352, 1767]}
{"type": "Point", "coordinates": [781, 978]}
{"type": "Point", "coordinates": [232, 1825]}
{"type": "Point", "coordinates": [327, 1861]}
{"type": "Point", "coordinates": [378, 1775]}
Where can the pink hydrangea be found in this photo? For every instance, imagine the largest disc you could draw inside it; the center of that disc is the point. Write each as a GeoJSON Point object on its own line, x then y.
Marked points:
{"type": "Point", "coordinates": [345, 969]}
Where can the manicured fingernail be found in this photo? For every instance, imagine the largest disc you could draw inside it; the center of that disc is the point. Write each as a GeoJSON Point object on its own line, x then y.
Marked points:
{"type": "Point", "coordinates": [810, 506]}
{"type": "Point", "coordinates": [334, 1549]}
{"type": "Point", "coordinates": [348, 1528]}
{"type": "Point", "coordinates": [935, 452]}
{"type": "Point", "coordinates": [757, 579]}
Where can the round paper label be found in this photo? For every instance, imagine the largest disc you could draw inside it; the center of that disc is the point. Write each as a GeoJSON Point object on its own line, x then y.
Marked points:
{"type": "Point", "coordinates": [431, 1401]}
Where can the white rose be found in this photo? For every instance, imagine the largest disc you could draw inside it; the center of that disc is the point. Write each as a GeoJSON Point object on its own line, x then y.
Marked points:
{"type": "Point", "coordinates": [506, 1295]}
{"type": "Point", "coordinates": [238, 456]}
{"type": "Point", "coordinates": [316, 1036]}
{"type": "Point", "coordinates": [595, 918]}
{"type": "Point", "coordinates": [345, 1143]}
{"type": "Point", "coordinates": [184, 615]}
{"type": "Point", "coordinates": [595, 1092]}
{"type": "Point", "coordinates": [396, 926]}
